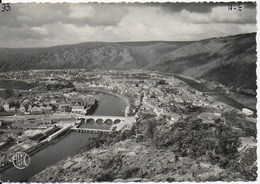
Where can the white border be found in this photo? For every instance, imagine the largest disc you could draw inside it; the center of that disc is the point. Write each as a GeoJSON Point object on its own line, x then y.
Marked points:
{"type": "Point", "coordinates": [118, 1]}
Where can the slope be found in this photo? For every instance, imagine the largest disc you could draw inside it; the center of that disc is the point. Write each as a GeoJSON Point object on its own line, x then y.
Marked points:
{"type": "Point", "coordinates": [228, 60]}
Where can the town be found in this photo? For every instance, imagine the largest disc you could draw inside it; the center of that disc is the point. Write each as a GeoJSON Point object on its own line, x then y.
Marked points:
{"type": "Point", "coordinates": [41, 106]}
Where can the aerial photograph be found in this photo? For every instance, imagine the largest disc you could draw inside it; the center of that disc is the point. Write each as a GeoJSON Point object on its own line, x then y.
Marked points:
{"type": "Point", "coordinates": [128, 92]}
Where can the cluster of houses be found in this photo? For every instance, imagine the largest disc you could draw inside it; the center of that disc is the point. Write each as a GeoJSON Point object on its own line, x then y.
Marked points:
{"type": "Point", "coordinates": [79, 110]}
{"type": "Point", "coordinates": [29, 109]}
{"type": "Point", "coordinates": [44, 109]}
{"type": "Point", "coordinates": [43, 104]}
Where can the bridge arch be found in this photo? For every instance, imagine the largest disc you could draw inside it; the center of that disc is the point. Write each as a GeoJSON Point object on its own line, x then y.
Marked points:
{"type": "Point", "coordinates": [116, 121]}
{"type": "Point", "coordinates": [108, 121]}
{"type": "Point", "coordinates": [99, 121]}
{"type": "Point", "coordinates": [91, 121]}
{"type": "Point", "coordinates": [82, 120]}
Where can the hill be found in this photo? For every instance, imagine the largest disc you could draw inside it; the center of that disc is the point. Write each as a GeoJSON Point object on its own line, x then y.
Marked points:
{"type": "Point", "coordinates": [91, 55]}
{"type": "Point", "coordinates": [229, 60]}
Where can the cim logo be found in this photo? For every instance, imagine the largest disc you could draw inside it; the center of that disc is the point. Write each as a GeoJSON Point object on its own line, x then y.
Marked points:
{"type": "Point", "coordinates": [21, 160]}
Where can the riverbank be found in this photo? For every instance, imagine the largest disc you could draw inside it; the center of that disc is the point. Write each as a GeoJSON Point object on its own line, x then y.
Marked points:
{"type": "Point", "coordinates": [248, 101]}
{"type": "Point", "coordinates": [227, 99]}
{"type": "Point", "coordinates": [51, 154]}
{"type": "Point", "coordinates": [64, 146]}
{"type": "Point", "coordinates": [241, 100]}
{"type": "Point", "coordinates": [131, 161]}
{"type": "Point", "coordinates": [176, 145]}
{"type": "Point", "coordinates": [105, 90]}
{"type": "Point", "coordinates": [36, 149]}
{"type": "Point", "coordinates": [90, 110]}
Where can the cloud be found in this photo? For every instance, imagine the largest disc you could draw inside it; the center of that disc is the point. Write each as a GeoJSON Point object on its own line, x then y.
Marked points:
{"type": "Point", "coordinates": [39, 30]}
{"type": "Point", "coordinates": [33, 14]}
{"type": "Point", "coordinates": [220, 15]}
{"type": "Point", "coordinates": [184, 25]}
{"type": "Point", "coordinates": [34, 25]}
{"type": "Point", "coordinates": [81, 12]}
{"type": "Point", "coordinates": [191, 7]}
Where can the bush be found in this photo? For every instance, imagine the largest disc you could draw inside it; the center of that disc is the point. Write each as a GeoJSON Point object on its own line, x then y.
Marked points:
{"type": "Point", "coordinates": [2, 109]}
{"type": "Point", "coordinates": [105, 176]}
{"type": "Point", "coordinates": [247, 165]}
{"type": "Point", "coordinates": [107, 139]}
{"type": "Point", "coordinates": [195, 139]}
{"type": "Point", "coordinates": [129, 172]}
{"type": "Point", "coordinates": [112, 162]}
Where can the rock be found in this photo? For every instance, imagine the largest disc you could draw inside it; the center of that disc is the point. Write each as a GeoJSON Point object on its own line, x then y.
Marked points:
{"type": "Point", "coordinates": [74, 179]}
{"type": "Point", "coordinates": [133, 180]}
{"type": "Point", "coordinates": [247, 112]}
{"type": "Point", "coordinates": [119, 180]}
{"type": "Point", "coordinates": [172, 159]}
{"type": "Point", "coordinates": [194, 167]}
{"type": "Point", "coordinates": [205, 165]}
{"type": "Point", "coordinates": [189, 176]}
{"type": "Point", "coordinates": [80, 180]}
{"type": "Point", "coordinates": [68, 165]}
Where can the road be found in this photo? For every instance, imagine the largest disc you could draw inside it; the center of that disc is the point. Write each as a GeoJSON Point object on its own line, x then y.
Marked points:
{"type": "Point", "coordinates": [41, 117]}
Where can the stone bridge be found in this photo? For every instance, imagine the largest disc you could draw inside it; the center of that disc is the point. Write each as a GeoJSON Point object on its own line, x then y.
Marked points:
{"type": "Point", "coordinates": [100, 119]}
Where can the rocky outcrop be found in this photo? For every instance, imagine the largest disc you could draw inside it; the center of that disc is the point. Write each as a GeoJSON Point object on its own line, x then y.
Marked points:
{"type": "Point", "coordinates": [129, 161]}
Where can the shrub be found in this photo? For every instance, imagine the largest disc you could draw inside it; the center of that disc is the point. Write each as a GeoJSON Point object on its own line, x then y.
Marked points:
{"type": "Point", "coordinates": [105, 176]}
{"type": "Point", "coordinates": [195, 139]}
{"type": "Point", "coordinates": [129, 172]}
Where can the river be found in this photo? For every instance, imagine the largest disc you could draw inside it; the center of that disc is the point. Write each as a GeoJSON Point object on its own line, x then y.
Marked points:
{"type": "Point", "coordinates": [70, 144]}
{"type": "Point", "coordinates": [222, 98]}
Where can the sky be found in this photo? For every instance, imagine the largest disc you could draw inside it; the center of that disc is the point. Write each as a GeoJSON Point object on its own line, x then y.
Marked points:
{"type": "Point", "coordinates": [43, 25]}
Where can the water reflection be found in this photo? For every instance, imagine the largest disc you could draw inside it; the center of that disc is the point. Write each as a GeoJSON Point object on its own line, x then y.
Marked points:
{"type": "Point", "coordinates": [71, 143]}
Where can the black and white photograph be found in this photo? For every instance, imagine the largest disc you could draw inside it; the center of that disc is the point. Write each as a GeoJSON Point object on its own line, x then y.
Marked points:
{"type": "Point", "coordinates": [128, 92]}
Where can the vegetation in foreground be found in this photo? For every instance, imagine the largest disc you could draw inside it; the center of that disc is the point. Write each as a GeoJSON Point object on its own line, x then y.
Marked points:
{"type": "Point", "coordinates": [189, 150]}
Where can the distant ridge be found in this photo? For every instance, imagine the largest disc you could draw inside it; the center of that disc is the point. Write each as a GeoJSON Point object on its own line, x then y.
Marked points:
{"type": "Point", "coordinates": [229, 60]}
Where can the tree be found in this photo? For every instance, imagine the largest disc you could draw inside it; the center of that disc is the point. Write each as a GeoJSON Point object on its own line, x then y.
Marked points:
{"type": "Point", "coordinates": [193, 138]}
{"type": "Point", "coordinates": [151, 131]}
{"type": "Point", "coordinates": [2, 109]}
{"type": "Point", "coordinates": [7, 93]}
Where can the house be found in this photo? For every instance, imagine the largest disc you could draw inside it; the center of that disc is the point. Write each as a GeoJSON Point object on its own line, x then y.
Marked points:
{"type": "Point", "coordinates": [29, 108]}
{"type": "Point", "coordinates": [197, 103]}
{"type": "Point", "coordinates": [209, 117]}
{"type": "Point", "coordinates": [12, 109]}
{"type": "Point", "coordinates": [46, 110]}
{"type": "Point", "coordinates": [6, 107]}
{"type": "Point", "coordinates": [22, 109]}
{"type": "Point", "coordinates": [48, 107]}
{"type": "Point", "coordinates": [36, 110]}
{"type": "Point", "coordinates": [78, 110]}
{"type": "Point", "coordinates": [53, 101]}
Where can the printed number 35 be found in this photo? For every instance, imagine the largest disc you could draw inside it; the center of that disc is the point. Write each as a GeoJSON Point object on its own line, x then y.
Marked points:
{"type": "Point", "coordinates": [5, 7]}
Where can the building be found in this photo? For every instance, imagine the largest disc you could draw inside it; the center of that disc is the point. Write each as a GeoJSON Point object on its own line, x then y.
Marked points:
{"type": "Point", "coordinates": [6, 107]}
{"type": "Point", "coordinates": [247, 112]}
{"type": "Point", "coordinates": [12, 109]}
{"type": "Point", "coordinates": [22, 109]}
{"type": "Point", "coordinates": [209, 117]}
{"type": "Point", "coordinates": [36, 110]}
{"type": "Point", "coordinates": [79, 110]}
{"type": "Point", "coordinates": [53, 101]}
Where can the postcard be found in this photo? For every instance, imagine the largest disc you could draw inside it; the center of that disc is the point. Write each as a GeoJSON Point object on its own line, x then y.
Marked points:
{"type": "Point", "coordinates": [128, 92]}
